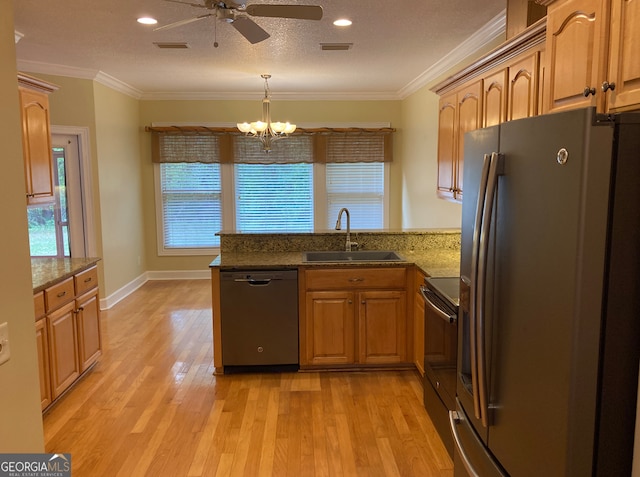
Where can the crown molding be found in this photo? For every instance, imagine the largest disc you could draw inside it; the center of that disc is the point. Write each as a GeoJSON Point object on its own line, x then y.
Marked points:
{"type": "Point", "coordinates": [494, 29]}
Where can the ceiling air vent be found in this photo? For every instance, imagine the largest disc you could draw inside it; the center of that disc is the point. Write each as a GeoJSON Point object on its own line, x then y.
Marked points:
{"type": "Point", "coordinates": [171, 45]}
{"type": "Point", "coordinates": [335, 46]}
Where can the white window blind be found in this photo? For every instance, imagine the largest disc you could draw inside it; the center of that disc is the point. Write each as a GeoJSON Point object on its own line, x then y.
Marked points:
{"type": "Point", "coordinates": [191, 205]}
{"type": "Point", "coordinates": [274, 197]}
{"type": "Point", "coordinates": [360, 188]}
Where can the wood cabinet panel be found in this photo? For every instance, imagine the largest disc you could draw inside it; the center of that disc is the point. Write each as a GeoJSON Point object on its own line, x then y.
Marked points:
{"type": "Point", "coordinates": [382, 326]}
{"type": "Point", "coordinates": [88, 322]}
{"type": "Point", "coordinates": [36, 145]}
{"type": "Point", "coordinates": [494, 93]}
{"type": "Point", "coordinates": [418, 324]}
{"type": "Point", "coordinates": [59, 294]}
{"type": "Point", "coordinates": [360, 277]}
{"type": "Point", "coordinates": [86, 280]}
{"type": "Point", "coordinates": [38, 305]}
{"type": "Point", "coordinates": [469, 119]}
{"type": "Point", "coordinates": [330, 338]}
{"type": "Point", "coordinates": [576, 51]}
{"type": "Point", "coordinates": [624, 59]}
{"type": "Point", "coordinates": [523, 87]}
{"type": "Point", "coordinates": [447, 156]}
{"type": "Point", "coordinates": [44, 369]}
{"type": "Point", "coordinates": [63, 349]}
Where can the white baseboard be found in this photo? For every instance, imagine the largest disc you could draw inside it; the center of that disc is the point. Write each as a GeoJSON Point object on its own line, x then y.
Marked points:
{"type": "Point", "coordinates": [133, 285]}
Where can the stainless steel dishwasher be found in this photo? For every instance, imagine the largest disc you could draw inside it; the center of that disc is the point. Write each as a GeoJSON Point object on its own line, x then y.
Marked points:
{"type": "Point", "coordinates": [259, 319]}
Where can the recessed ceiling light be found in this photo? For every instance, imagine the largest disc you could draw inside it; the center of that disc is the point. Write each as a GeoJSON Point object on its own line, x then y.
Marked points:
{"type": "Point", "coordinates": [147, 21]}
{"type": "Point", "coordinates": [342, 22]}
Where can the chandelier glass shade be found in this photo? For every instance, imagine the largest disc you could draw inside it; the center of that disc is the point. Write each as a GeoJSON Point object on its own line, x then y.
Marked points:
{"type": "Point", "coordinates": [265, 130]}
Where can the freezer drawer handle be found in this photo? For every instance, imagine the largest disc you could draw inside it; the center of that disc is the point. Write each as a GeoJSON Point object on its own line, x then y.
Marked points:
{"type": "Point", "coordinates": [454, 420]}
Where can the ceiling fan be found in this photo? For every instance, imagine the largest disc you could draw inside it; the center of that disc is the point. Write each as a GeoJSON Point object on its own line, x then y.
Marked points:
{"type": "Point", "coordinates": [235, 14]}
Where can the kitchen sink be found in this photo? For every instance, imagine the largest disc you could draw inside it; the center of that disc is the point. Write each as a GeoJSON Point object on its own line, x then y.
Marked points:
{"type": "Point", "coordinates": [355, 256]}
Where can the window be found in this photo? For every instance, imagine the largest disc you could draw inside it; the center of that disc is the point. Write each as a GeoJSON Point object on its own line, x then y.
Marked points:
{"type": "Point", "coordinates": [208, 179]}
{"type": "Point", "coordinates": [191, 206]}
{"type": "Point", "coordinates": [359, 187]}
{"type": "Point", "coordinates": [274, 197]}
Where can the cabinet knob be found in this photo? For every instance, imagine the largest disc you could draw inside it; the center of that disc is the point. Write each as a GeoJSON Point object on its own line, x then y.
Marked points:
{"type": "Point", "coordinates": [350, 302]}
{"type": "Point", "coordinates": [608, 86]}
{"type": "Point", "coordinates": [363, 302]}
{"type": "Point", "coordinates": [589, 91]}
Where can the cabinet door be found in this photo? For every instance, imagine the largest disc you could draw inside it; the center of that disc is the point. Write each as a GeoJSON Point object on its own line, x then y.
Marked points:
{"type": "Point", "coordinates": [382, 327]}
{"type": "Point", "coordinates": [469, 119]}
{"type": "Point", "coordinates": [624, 59]}
{"type": "Point", "coordinates": [42, 345]}
{"type": "Point", "coordinates": [63, 348]}
{"type": "Point", "coordinates": [88, 322]}
{"type": "Point", "coordinates": [36, 145]}
{"type": "Point", "coordinates": [523, 87]}
{"type": "Point", "coordinates": [418, 325]}
{"type": "Point", "coordinates": [330, 328]}
{"type": "Point", "coordinates": [494, 110]}
{"type": "Point", "coordinates": [447, 133]}
{"type": "Point", "coordinates": [576, 52]}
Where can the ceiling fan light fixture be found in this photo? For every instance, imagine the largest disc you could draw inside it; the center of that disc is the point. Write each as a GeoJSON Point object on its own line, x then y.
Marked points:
{"type": "Point", "coordinates": [265, 130]}
{"type": "Point", "coordinates": [147, 21]}
{"type": "Point", "coordinates": [343, 22]}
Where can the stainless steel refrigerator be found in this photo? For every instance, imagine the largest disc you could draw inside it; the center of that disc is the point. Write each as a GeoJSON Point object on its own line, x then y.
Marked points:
{"type": "Point", "coordinates": [549, 320]}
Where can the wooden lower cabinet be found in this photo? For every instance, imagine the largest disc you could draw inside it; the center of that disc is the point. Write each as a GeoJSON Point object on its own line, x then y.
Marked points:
{"type": "Point", "coordinates": [63, 348]}
{"type": "Point", "coordinates": [88, 324]}
{"type": "Point", "coordinates": [346, 323]}
{"type": "Point", "coordinates": [68, 336]}
{"type": "Point", "coordinates": [42, 345]}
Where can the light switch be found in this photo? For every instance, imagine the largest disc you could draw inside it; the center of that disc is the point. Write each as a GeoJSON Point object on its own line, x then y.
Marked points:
{"type": "Point", "coordinates": [5, 350]}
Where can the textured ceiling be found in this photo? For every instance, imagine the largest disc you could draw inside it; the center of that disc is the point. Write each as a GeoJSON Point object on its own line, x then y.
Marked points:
{"type": "Point", "coordinates": [394, 44]}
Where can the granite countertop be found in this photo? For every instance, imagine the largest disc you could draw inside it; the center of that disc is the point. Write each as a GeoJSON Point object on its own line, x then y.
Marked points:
{"type": "Point", "coordinates": [48, 271]}
{"type": "Point", "coordinates": [435, 263]}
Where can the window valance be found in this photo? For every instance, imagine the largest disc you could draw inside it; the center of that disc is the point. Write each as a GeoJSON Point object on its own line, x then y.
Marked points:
{"type": "Point", "coordinates": [228, 145]}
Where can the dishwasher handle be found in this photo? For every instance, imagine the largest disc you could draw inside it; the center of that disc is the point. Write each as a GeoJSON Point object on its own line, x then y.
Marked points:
{"type": "Point", "coordinates": [254, 282]}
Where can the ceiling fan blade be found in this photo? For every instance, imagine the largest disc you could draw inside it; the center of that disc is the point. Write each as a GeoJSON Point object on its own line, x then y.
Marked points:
{"type": "Point", "coordinates": [302, 12]}
{"type": "Point", "coordinates": [184, 22]}
{"type": "Point", "coordinates": [199, 5]}
{"type": "Point", "coordinates": [250, 30]}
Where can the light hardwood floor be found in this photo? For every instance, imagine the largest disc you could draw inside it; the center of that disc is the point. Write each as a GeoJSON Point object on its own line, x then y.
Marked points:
{"type": "Point", "coordinates": [152, 407]}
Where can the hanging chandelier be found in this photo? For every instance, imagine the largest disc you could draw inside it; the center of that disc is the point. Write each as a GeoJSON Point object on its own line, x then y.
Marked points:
{"type": "Point", "coordinates": [265, 130]}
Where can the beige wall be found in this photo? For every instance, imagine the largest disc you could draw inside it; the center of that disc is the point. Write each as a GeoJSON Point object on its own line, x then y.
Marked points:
{"type": "Point", "coordinates": [421, 208]}
{"type": "Point", "coordinates": [20, 416]}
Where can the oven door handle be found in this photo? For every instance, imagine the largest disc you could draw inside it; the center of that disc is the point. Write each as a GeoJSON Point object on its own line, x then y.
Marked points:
{"type": "Point", "coordinates": [449, 318]}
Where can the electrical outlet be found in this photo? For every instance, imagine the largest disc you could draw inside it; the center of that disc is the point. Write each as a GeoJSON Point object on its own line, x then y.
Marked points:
{"type": "Point", "coordinates": [5, 350]}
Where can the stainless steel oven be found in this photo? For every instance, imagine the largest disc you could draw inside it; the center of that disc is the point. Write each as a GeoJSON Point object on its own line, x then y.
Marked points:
{"type": "Point", "coordinates": [442, 299]}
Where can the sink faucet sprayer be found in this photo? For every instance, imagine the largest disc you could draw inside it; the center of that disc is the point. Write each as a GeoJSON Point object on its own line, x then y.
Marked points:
{"type": "Point", "coordinates": [338, 227]}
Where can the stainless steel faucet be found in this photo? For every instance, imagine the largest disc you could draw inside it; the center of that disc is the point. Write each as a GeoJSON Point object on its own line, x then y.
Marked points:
{"type": "Point", "coordinates": [349, 243]}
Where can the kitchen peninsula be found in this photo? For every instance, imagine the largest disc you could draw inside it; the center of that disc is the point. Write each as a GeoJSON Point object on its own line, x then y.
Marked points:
{"type": "Point", "coordinates": [364, 309]}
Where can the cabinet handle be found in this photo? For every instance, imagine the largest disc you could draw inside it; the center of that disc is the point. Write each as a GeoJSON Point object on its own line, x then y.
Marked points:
{"type": "Point", "coordinates": [589, 91]}
{"type": "Point", "coordinates": [80, 309]}
{"type": "Point", "coordinates": [354, 280]}
{"type": "Point", "coordinates": [608, 86]}
{"type": "Point", "coordinates": [87, 280]}
{"type": "Point", "coordinates": [61, 294]}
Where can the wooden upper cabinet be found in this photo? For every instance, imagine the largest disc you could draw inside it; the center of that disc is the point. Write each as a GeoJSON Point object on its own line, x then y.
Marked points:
{"type": "Point", "coordinates": [494, 98]}
{"type": "Point", "coordinates": [447, 134]}
{"type": "Point", "coordinates": [523, 87]}
{"type": "Point", "coordinates": [576, 51]}
{"type": "Point", "coordinates": [36, 139]}
{"type": "Point", "coordinates": [624, 56]}
{"type": "Point", "coordinates": [593, 55]}
{"type": "Point", "coordinates": [469, 119]}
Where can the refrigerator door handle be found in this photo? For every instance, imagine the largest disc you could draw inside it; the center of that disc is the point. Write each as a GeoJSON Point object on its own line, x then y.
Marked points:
{"type": "Point", "coordinates": [495, 169]}
{"type": "Point", "coordinates": [454, 420]}
{"type": "Point", "coordinates": [475, 252]}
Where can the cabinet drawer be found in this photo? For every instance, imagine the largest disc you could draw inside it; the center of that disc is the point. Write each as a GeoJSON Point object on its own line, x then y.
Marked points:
{"type": "Point", "coordinates": [334, 279]}
{"type": "Point", "coordinates": [38, 305]}
{"type": "Point", "coordinates": [86, 280]}
{"type": "Point", "coordinates": [59, 294]}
